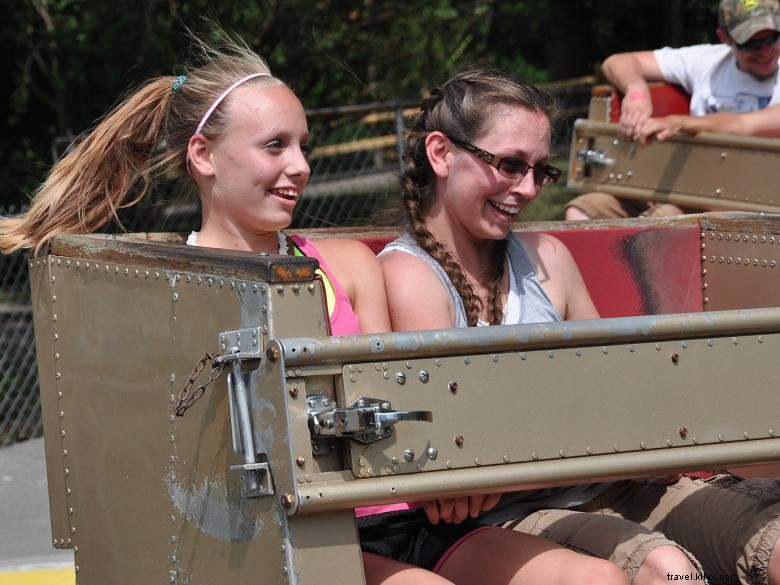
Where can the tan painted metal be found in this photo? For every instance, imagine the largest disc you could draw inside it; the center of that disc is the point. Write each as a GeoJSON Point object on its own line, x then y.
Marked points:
{"type": "Point", "coordinates": [707, 171]}
{"type": "Point", "coordinates": [146, 496]}
{"type": "Point", "coordinates": [740, 269]}
{"type": "Point", "coordinates": [599, 108]}
{"type": "Point", "coordinates": [47, 345]}
{"type": "Point", "coordinates": [135, 481]}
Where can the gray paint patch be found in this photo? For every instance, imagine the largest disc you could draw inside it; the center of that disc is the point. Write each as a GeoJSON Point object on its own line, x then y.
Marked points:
{"type": "Point", "coordinates": [216, 509]}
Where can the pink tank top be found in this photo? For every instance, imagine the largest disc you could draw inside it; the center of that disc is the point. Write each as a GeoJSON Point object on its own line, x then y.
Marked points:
{"type": "Point", "coordinates": [343, 320]}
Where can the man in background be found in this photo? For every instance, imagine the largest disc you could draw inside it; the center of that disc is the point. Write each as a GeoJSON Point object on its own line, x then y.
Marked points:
{"type": "Point", "coordinates": [737, 76]}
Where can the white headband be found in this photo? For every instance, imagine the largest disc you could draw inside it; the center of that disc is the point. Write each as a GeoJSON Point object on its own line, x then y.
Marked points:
{"type": "Point", "coordinates": [223, 96]}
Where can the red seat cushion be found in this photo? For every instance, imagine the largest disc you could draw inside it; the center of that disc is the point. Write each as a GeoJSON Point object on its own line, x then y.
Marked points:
{"type": "Point", "coordinates": [667, 99]}
{"type": "Point", "coordinates": [639, 271]}
{"type": "Point", "coordinates": [634, 270]}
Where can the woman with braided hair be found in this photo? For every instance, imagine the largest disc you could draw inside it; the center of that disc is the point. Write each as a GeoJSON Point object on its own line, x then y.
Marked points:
{"type": "Point", "coordinates": [476, 155]}
{"type": "Point", "coordinates": [461, 201]}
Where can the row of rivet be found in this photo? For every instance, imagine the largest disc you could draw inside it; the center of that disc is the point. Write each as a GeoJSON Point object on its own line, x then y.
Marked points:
{"type": "Point", "coordinates": [137, 273]}
{"type": "Point", "coordinates": [763, 262]}
{"type": "Point", "coordinates": [744, 238]}
{"type": "Point", "coordinates": [296, 288]}
{"type": "Point", "coordinates": [61, 415]}
{"type": "Point", "coordinates": [424, 375]}
{"type": "Point", "coordinates": [619, 176]}
{"type": "Point", "coordinates": [172, 459]}
{"type": "Point", "coordinates": [172, 541]}
{"type": "Point", "coordinates": [432, 452]}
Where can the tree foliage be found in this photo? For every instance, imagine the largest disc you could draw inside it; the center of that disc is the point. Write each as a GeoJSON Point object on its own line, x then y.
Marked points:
{"type": "Point", "coordinates": [70, 60]}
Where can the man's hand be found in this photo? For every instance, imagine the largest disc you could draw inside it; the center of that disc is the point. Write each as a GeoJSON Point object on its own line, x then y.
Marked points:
{"type": "Point", "coordinates": [635, 110]}
{"type": "Point", "coordinates": [661, 129]}
{"type": "Point", "coordinates": [456, 510]}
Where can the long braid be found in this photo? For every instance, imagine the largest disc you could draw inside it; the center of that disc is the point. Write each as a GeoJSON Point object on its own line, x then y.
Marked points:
{"type": "Point", "coordinates": [471, 301]}
{"type": "Point", "coordinates": [498, 261]}
{"type": "Point", "coordinates": [416, 186]}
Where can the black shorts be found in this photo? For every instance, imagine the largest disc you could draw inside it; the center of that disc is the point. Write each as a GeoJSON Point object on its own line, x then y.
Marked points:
{"type": "Point", "coordinates": [407, 536]}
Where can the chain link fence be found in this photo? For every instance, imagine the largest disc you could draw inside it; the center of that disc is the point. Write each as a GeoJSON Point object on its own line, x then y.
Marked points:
{"type": "Point", "coordinates": [355, 165]}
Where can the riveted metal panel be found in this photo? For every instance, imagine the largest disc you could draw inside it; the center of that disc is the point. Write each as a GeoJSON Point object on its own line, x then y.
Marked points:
{"type": "Point", "coordinates": [709, 171]}
{"type": "Point", "coordinates": [740, 269]}
{"type": "Point", "coordinates": [558, 403]}
{"type": "Point", "coordinates": [129, 337]}
{"type": "Point", "coordinates": [45, 287]}
{"type": "Point", "coordinates": [216, 534]}
{"type": "Point", "coordinates": [323, 548]}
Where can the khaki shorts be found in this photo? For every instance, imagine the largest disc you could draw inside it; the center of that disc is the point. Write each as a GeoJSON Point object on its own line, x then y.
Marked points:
{"type": "Point", "coordinates": [599, 534]}
{"type": "Point", "coordinates": [728, 524]}
{"type": "Point", "coordinates": [598, 205]}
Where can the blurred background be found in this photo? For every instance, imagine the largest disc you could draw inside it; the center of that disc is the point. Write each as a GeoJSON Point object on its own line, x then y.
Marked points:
{"type": "Point", "coordinates": [358, 65]}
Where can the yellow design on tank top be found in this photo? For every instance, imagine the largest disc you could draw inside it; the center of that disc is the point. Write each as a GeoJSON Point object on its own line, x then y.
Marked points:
{"type": "Point", "coordinates": [330, 295]}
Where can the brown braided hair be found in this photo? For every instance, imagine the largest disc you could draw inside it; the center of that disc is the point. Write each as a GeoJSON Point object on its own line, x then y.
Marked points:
{"type": "Point", "coordinates": [461, 108]}
{"type": "Point", "coordinates": [144, 138]}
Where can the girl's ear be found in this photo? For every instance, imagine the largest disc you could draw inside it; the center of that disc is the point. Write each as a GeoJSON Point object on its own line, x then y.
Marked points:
{"type": "Point", "coordinates": [199, 157]}
{"type": "Point", "coordinates": [438, 147]}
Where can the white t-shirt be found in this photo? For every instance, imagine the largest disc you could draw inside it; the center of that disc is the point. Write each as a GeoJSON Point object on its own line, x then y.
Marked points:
{"type": "Point", "coordinates": [709, 74]}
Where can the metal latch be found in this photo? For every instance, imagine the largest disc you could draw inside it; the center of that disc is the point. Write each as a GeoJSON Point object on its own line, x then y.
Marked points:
{"type": "Point", "coordinates": [243, 345]}
{"type": "Point", "coordinates": [595, 156]}
{"type": "Point", "coordinates": [366, 420]}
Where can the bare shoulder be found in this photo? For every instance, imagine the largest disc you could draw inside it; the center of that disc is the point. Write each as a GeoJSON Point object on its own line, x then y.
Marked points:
{"type": "Point", "coordinates": [346, 257]}
{"type": "Point", "coordinates": [546, 250]}
{"type": "Point", "coordinates": [416, 296]}
{"type": "Point", "coordinates": [342, 248]}
{"type": "Point", "coordinates": [404, 271]}
{"type": "Point", "coordinates": [559, 275]}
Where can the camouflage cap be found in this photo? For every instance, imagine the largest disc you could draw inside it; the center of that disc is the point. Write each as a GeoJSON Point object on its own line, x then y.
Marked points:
{"type": "Point", "coordinates": [741, 19]}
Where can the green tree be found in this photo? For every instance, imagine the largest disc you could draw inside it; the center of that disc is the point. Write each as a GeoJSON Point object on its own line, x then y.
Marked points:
{"type": "Point", "coordinates": [68, 61]}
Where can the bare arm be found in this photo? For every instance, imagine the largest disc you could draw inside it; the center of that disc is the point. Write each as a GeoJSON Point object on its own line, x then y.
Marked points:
{"type": "Point", "coordinates": [764, 122]}
{"type": "Point", "coordinates": [357, 269]}
{"type": "Point", "coordinates": [418, 300]}
{"type": "Point", "coordinates": [630, 72]}
{"type": "Point", "coordinates": [559, 276]}
{"type": "Point", "coordinates": [416, 297]}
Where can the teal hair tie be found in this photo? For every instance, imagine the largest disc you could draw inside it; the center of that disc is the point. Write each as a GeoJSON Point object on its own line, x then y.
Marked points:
{"type": "Point", "coordinates": [180, 79]}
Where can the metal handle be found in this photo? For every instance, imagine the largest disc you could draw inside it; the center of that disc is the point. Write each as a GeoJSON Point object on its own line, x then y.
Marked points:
{"type": "Point", "coordinates": [366, 420]}
{"type": "Point", "coordinates": [387, 419]}
{"type": "Point", "coordinates": [595, 157]}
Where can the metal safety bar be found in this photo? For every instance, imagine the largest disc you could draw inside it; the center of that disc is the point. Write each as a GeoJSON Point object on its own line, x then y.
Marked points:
{"type": "Point", "coordinates": [444, 342]}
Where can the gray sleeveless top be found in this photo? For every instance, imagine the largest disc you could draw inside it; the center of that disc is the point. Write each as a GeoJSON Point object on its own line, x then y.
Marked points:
{"type": "Point", "coordinates": [536, 307]}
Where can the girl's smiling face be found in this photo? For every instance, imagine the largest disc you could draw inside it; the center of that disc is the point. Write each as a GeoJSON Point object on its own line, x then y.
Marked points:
{"type": "Point", "coordinates": [259, 162]}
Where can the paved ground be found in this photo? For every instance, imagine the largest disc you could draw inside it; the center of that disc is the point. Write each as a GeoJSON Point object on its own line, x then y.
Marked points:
{"type": "Point", "coordinates": [25, 536]}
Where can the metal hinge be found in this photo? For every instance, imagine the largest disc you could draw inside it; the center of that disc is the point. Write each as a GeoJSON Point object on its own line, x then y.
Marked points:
{"type": "Point", "coordinates": [366, 420]}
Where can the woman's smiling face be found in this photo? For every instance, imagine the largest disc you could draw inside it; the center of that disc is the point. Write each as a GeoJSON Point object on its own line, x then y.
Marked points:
{"type": "Point", "coordinates": [477, 198]}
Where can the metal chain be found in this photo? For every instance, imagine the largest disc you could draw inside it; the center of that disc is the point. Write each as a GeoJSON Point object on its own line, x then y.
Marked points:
{"type": "Point", "coordinates": [186, 400]}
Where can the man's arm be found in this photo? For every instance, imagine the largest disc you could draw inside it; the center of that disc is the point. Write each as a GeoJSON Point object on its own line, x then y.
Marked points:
{"type": "Point", "coordinates": [764, 122]}
{"type": "Point", "coordinates": [630, 72]}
